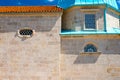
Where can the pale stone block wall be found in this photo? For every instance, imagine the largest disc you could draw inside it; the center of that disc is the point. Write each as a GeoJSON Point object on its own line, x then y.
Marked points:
{"type": "Point", "coordinates": [73, 19]}
{"type": "Point", "coordinates": [112, 19]}
{"type": "Point", "coordinates": [99, 66]}
{"type": "Point", "coordinates": [35, 58]}
{"type": "Point", "coordinates": [100, 20]}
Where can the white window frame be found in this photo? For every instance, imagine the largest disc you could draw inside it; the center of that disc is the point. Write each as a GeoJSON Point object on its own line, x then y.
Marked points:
{"type": "Point", "coordinates": [90, 11]}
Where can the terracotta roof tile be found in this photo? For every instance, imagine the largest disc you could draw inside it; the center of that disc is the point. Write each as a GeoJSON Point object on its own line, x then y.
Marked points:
{"type": "Point", "coordinates": [30, 9]}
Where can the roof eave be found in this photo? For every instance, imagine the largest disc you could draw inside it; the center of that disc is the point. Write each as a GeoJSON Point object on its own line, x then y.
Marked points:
{"type": "Point", "coordinates": [106, 6]}
{"type": "Point", "coordinates": [5, 9]}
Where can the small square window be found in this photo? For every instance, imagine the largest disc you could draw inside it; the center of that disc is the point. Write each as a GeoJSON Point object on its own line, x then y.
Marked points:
{"type": "Point", "coordinates": [90, 22]}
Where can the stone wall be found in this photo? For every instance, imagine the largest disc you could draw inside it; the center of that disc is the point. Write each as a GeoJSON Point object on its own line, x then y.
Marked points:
{"type": "Point", "coordinates": [47, 56]}
{"type": "Point", "coordinates": [34, 58]}
{"type": "Point", "coordinates": [103, 65]}
{"type": "Point", "coordinates": [73, 19]}
{"type": "Point", "coordinates": [112, 19]}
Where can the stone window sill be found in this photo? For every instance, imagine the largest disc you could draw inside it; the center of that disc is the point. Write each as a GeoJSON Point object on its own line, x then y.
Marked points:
{"type": "Point", "coordinates": [90, 53]}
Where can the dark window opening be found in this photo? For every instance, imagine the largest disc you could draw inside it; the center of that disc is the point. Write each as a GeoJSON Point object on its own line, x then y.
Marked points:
{"type": "Point", "coordinates": [90, 48]}
{"type": "Point", "coordinates": [26, 32]}
{"type": "Point", "coordinates": [90, 22]}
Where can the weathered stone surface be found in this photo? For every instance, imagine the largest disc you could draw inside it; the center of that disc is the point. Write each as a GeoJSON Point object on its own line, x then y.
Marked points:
{"type": "Point", "coordinates": [73, 19]}
{"type": "Point", "coordinates": [47, 56]}
{"type": "Point", "coordinates": [112, 19]}
{"type": "Point", "coordinates": [34, 58]}
{"type": "Point", "coordinates": [77, 65]}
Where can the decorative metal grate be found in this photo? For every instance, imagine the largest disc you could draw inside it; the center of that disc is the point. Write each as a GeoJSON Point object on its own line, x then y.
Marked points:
{"type": "Point", "coordinates": [26, 32]}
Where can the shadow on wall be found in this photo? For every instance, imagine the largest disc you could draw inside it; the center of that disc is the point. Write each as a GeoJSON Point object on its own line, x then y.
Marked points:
{"type": "Point", "coordinates": [86, 59]}
{"type": "Point", "coordinates": [38, 23]}
{"type": "Point", "coordinates": [113, 15]}
{"type": "Point", "coordinates": [75, 47]}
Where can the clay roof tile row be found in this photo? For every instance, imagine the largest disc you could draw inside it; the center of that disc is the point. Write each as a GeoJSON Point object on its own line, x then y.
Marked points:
{"type": "Point", "coordinates": [30, 9]}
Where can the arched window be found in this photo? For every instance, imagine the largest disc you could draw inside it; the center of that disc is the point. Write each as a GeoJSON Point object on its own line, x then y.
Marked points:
{"type": "Point", "coordinates": [90, 48]}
